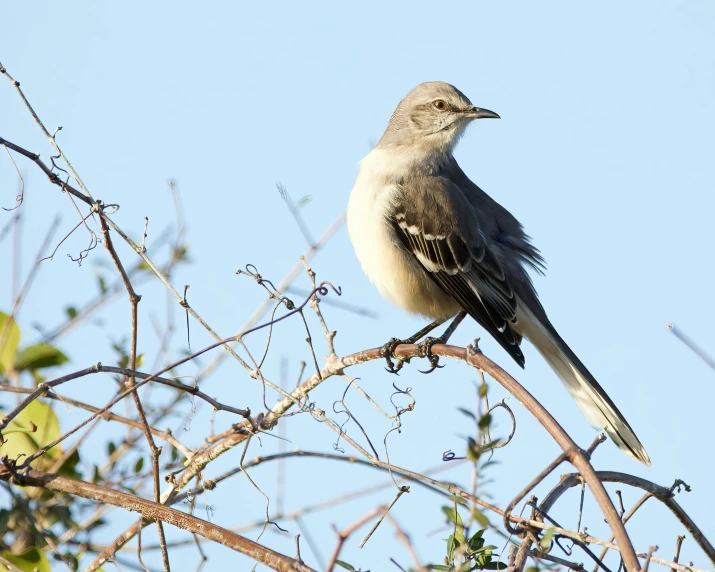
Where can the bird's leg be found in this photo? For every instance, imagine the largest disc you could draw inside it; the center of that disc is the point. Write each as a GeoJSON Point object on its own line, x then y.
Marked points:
{"type": "Point", "coordinates": [388, 350]}
{"type": "Point", "coordinates": [425, 348]}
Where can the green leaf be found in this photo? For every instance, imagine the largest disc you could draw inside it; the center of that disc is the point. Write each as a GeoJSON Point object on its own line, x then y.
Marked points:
{"type": "Point", "coordinates": [495, 566]}
{"type": "Point", "coordinates": [474, 450]}
{"type": "Point", "coordinates": [48, 429]}
{"type": "Point", "coordinates": [546, 539]}
{"type": "Point", "coordinates": [32, 559]}
{"type": "Point", "coordinates": [140, 360]}
{"type": "Point", "coordinates": [180, 253]}
{"type": "Point", "coordinates": [481, 518]}
{"type": "Point", "coordinates": [452, 545]}
{"type": "Point", "coordinates": [9, 340]}
{"type": "Point", "coordinates": [531, 569]}
{"type": "Point", "coordinates": [39, 356]}
{"type": "Point", "coordinates": [453, 516]}
{"type": "Point", "coordinates": [71, 312]}
{"type": "Point", "coordinates": [476, 542]}
{"type": "Point", "coordinates": [467, 413]}
{"type": "Point", "coordinates": [344, 565]}
{"type": "Point", "coordinates": [304, 200]}
{"type": "Point", "coordinates": [485, 421]}
{"type": "Point", "coordinates": [483, 388]}
{"type": "Point", "coordinates": [437, 567]}
{"type": "Point", "coordinates": [139, 465]}
{"type": "Point", "coordinates": [102, 284]}
{"type": "Point", "coordinates": [111, 447]}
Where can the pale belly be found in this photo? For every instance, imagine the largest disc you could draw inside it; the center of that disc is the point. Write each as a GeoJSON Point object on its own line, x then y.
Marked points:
{"type": "Point", "coordinates": [395, 272]}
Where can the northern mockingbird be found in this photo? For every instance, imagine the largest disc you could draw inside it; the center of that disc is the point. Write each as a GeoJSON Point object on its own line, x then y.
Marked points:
{"type": "Point", "coordinates": [435, 244]}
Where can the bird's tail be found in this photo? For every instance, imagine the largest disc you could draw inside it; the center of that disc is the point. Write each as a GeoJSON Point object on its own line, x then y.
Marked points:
{"type": "Point", "coordinates": [599, 409]}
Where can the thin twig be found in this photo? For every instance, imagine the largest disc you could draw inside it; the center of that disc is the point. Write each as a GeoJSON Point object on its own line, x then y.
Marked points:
{"type": "Point", "coordinates": [50, 138]}
{"type": "Point", "coordinates": [403, 490]}
{"type": "Point", "coordinates": [344, 534]}
{"type": "Point", "coordinates": [678, 543]}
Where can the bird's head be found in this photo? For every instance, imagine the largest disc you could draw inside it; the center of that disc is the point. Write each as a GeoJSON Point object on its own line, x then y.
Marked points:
{"type": "Point", "coordinates": [433, 116]}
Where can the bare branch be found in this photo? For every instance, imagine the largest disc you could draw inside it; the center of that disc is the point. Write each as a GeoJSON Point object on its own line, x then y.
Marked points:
{"type": "Point", "coordinates": [154, 512]}
{"type": "Point", "coordinates": [663, 494]}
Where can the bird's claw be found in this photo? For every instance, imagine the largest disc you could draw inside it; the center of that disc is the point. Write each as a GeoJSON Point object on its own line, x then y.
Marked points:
{"type": "Point", "coordinates": [388, 352]}
{"type": "Point", "coordinates": [425, 350]}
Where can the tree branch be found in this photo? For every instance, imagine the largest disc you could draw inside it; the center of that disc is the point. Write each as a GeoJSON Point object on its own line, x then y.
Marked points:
{"type": "Point", "coordinates": [153, 512]}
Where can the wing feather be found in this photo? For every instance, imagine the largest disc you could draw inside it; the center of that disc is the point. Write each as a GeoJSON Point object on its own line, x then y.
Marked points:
{"type": "Point", "coordinates": [458, 258]}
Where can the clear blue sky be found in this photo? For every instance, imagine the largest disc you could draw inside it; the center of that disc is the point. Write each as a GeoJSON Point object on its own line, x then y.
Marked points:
{"type": "Point", "coordinates": [604, 152]}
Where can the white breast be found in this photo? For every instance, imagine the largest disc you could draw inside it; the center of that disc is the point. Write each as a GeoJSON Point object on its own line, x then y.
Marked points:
{"type": "Point", "coordinates": [396, 273]}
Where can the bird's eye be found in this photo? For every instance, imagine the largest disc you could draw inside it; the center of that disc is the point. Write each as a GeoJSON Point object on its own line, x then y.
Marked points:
{"type": "Point", "coordinates": [440, 104]}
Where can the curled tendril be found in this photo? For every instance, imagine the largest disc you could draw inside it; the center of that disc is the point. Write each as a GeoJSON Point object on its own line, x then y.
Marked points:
{"type": "Point", "coordinates": [451, 456]}
{"type": "Point", "coordinates": [506, 441]}
{"type": "Point", "coordinates": [352, 418]}
{"type": "Point", "coordinates": [336, 445]}
{"type": "Point", "coordinates": [323, 290]}
{"type": "Point", "coordinates": [93, 242]}
{"type": "Point", "coordinates": [400, 410]}
{"type": "Point", "coordinates": [304, 405]}
{"type": "Point", "coordinates": [110, 208]}
{"type": "Point", "coordinates": [252, 271]}
{"type": "Point", "coordinates": [56, 166]}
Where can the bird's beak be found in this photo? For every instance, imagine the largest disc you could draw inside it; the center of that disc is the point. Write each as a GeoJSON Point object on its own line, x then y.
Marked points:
{"type": "Point", "coordinates": [479, 113]}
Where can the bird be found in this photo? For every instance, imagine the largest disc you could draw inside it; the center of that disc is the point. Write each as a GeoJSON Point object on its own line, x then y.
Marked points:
{"type": "Point", "coordinates": [436, 245]}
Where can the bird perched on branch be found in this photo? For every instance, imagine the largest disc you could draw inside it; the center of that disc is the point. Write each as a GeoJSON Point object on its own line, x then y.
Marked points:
{"type": "Point", "coordinates": [435, 244]}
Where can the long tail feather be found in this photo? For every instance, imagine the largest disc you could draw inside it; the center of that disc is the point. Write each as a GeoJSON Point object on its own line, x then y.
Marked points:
{"type": "Point", "coordinates": [599, 409]}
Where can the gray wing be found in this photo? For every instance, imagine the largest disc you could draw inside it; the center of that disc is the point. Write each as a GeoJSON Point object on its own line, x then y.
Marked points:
{"type": "Point", "coordinates": [438, 225]}
{"type": "Point", "coordinates": [508, 230]}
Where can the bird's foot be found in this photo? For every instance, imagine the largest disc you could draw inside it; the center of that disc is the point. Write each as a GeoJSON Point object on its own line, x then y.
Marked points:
{"type": "Point", "coordinates": [424, 349]}
{"type": "Point", "coordinates": [388, 352]}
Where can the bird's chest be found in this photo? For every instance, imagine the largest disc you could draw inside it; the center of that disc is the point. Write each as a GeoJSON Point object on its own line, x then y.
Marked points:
{"type": "Point", "coordinates": [395, 272]}
{"type": "Point", "coordinates": [374, 240]}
